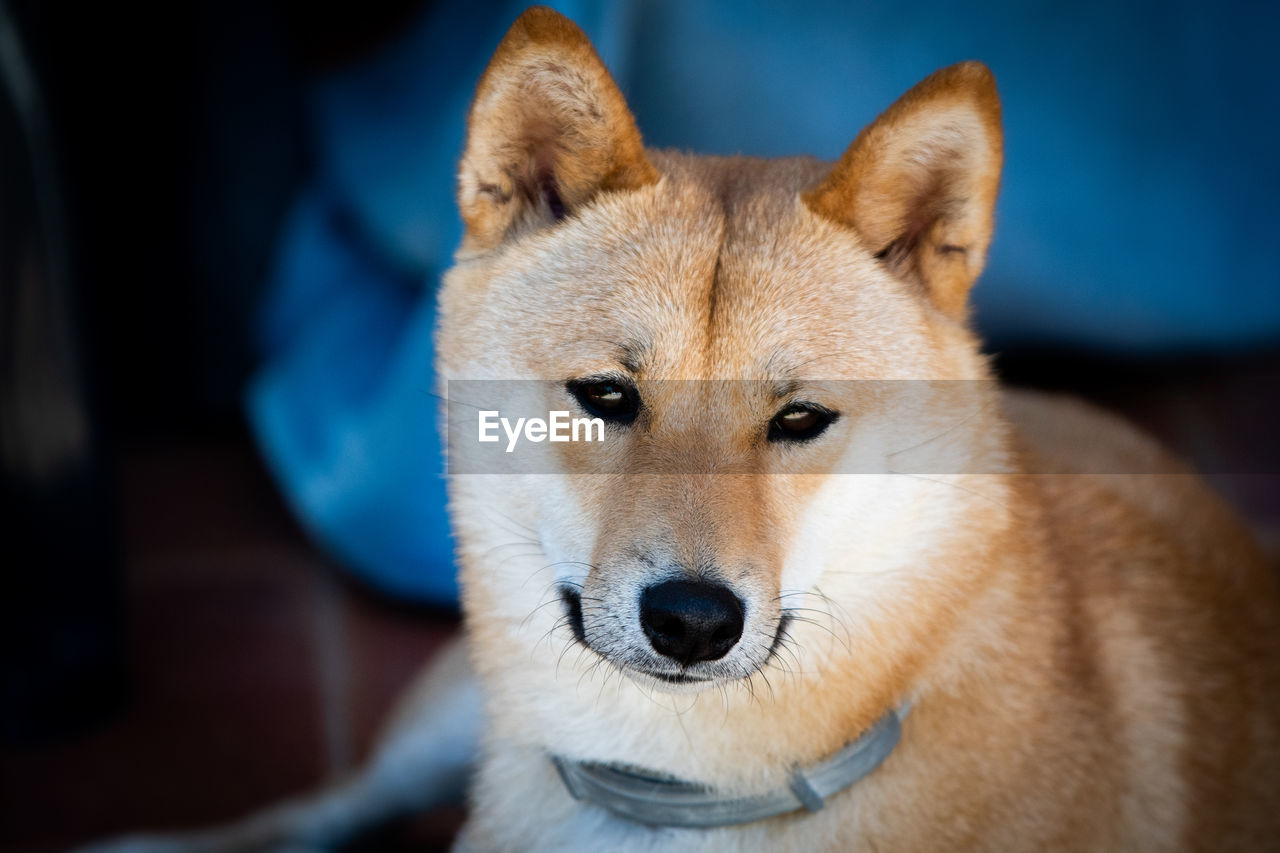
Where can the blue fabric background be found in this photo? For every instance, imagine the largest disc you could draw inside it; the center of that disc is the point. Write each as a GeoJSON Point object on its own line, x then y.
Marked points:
{"type": "Point", "coordinates": [1136, 212]}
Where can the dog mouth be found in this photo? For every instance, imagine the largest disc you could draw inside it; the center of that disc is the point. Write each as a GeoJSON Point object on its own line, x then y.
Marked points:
{"type": "Point", "coordinates": [573, 611]}
{"type": "Point", "coordinates": [572, 601]}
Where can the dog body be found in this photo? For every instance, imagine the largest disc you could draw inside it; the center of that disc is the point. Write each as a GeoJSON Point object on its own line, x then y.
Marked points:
{"type": "Point", "coordinates": [1082, 642]}
{"type": "Point", "coordinates": [1090, 660]}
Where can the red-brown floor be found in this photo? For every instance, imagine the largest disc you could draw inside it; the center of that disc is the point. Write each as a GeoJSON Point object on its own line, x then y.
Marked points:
{"type": "Point", "coordinates": [256, 672]}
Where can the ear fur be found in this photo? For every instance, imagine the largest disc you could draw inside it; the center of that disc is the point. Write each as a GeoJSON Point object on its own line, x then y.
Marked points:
{"type": "Point", "coordinates": [547, 131]}
{"type": "Point", "coordinates": [919, 183]}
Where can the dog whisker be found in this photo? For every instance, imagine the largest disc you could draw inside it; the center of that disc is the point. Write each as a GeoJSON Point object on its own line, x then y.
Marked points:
{"type": "Point", "coordinates": [835, 638]}
{"type": "Point", "coordinates": [947, 482]}
{"type": "Point", "coordinates": [980, 410]}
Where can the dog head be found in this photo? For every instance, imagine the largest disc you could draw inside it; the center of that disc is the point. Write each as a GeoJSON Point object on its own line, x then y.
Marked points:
{"type": "Point", "coordinates": [739, 326]}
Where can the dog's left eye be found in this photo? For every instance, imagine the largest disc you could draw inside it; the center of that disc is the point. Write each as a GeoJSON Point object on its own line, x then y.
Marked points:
{"type": "Point", "coordinates": [800, 422]}
{"type": "Point", "coordinates": [614, 401]}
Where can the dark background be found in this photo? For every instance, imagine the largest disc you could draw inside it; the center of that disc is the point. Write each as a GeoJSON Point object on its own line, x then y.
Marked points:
{"type": "Point", "coordinates": [175, 651]}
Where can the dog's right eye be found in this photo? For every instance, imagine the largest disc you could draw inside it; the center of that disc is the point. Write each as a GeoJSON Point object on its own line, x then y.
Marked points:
{"type": "Point", "coordinates": [610, 399]}
{"type": "Point", "coordinates": [801, 422]}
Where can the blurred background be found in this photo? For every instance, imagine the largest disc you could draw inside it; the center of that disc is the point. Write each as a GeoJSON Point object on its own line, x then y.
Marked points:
{"type": "Point", "coordinates": [224, 549]}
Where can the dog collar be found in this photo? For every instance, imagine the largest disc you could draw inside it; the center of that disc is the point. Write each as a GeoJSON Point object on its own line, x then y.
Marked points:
{"type": "Point", "coordinates": [665, 801]}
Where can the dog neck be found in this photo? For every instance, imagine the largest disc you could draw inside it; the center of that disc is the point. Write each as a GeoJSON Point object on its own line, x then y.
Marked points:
{"type": "Point", "coordinates": [656, 800]}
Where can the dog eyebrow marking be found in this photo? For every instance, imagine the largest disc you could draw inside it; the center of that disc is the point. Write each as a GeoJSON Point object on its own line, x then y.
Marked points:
{"type": "Point", "coordinates": [785, 388]}
{"type": "Point", "coordinates": [632, 356]}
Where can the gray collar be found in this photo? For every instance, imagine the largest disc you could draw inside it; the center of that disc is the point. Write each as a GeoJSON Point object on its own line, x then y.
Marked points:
{"type": "Point", "coordinates": [659, 801]}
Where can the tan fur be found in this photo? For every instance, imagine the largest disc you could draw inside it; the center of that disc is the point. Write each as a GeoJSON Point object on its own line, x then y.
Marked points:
{"type": "Point", "coordinates": [1091, 658]}
{"type": "Point", "coordinates": [919, 182]}
{"type": "Point", "coordinates": [545, 112]}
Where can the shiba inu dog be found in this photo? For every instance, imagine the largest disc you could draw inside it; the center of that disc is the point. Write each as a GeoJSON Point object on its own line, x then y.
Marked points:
{"type": "Point", "coordinates": [1090, 662]}
{"type": "Point", "coordinates": [738, 622]}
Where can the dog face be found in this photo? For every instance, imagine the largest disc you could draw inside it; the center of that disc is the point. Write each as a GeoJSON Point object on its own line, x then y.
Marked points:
{"type": "Point", "coordinates": [741, 327]}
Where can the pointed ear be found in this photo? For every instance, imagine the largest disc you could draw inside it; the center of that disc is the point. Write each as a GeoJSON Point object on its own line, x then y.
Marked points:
{"type": "Point", "coordinates": [548, 130]}
{"type": "Point", "coordinates": [919, 184]}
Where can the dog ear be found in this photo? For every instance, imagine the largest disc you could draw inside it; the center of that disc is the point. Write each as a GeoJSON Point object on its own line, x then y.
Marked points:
{"type": "Point", "coordinates": [548, 130]}
{"type": "Point", "coordinates": [919, 183]}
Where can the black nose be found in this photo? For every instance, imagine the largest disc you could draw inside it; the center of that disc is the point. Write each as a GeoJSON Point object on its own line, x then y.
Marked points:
{"type": "Point", "coordinates": [691, 621]}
